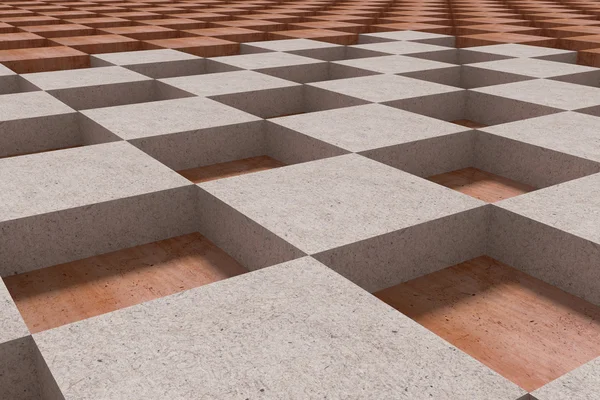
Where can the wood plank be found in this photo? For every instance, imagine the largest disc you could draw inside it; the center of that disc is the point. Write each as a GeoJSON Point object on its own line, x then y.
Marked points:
{"type": "Point", "coordinates": [481, 184]}
{"type": "Point", "coordinates": [231, 168]}
{"type": "Point", "coordinates": [61, 294]}
{"type": "Point", "coordinates": [528, 331]}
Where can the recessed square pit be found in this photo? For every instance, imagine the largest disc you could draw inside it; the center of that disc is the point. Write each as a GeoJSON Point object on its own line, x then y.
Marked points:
{"type": "Point", "coordinates": [291, 67]}
{"type": "Point", "coordinates": [413, 49]}
{"type": "Point", "coordinates": [527, 330]}
{"type": "Point", "coordinates": [483, 106]}
{"type": "Point", "coordinates": [514, 50]}
{"type": "Point", "coordinates": [199, 132]}
{"type": "Point", "coordinates": [36, 122]}
{"type": "Point", "coordinates": [231, 168]}
{"type": "Point", "coordinates": [489, 166]}
{"type": "Point", "coordinates": [160, 63]}
{"type": "Point", "coordinates": [263, 95]}
{"type": "Point", "coordinates": [519, 69]}
{"type": "Point", "coordinates": [102, 87]}
{"type": "Point", "coordinates": [306, 48]}
{"type": "Point", "coordinates": [62, 294]}
{"type": "Point", "coordinates": [10, 82]}
{"type": "Point", "coordinates": [482, 185]}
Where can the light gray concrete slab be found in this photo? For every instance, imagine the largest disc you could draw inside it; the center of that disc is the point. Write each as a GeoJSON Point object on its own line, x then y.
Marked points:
{"type": "Point", "coordinates": [514, 50]}
{"type": "Point", "coordinates": [527, 163]}
{"type": "Point", "coordinates": [227, 83]}
{"type": "Point", "coordinates": [47, 182]}
{"type": "Point", "coordinates": [573, 207]}
{"type": "Point", "coordinates": [396, 64]}
{"type": "Point", "coordinates": [367, 127]}
{"type": "Point", "coordinates": [296, 330]}
{"type": "Point", "coordinates": [66, 205]}
{"type": "Point", "coordinates": [534, 67]}
{"type": "Point", "coordinates": [160, 63]}
{"type": "Point", "coordinates": [385, 88]}
{"type": "Point", "coordinates": [422, 50]}
{"type": "Point", "coordinates": [301, 47]}
{"type": "Point", "coordinates": [102, 87]}
{"type": "Point", "coordinates": [144, 57]}
{"type": "Point", "coordinates": [266, 60]}
{"type": "Point", "coordinates": [552, 234]}
{"type": "Point", "coordinates": [5, 71]}
{"type": "Point", "coordinates": [412, 36]}
{"type": "Point", "coordinates": [36, 121]}
{"type": "Point", "coordinates": [549, 93]}
{"type": "Point", "coordinates": [137, 121]}
{"type": "Point", "coordinates": [537, 68]}
{"type": "Point", "coordinates": [11, 82]}
{"type": "Point", "coordinates": [83, 77]}
{"type": "Point", "coordinates": [567, 132]}
{"type": "Point", "coordinates": [21, 106]}
{"type": "Point", "coordinates": [582, 383]}
{"type": "Point", "coordinates": [323, 204]}
{"type": "Point", "coordinates": [290, 45]}
{"type": "Point", "coordinates": [279, 64]}
{"type": "Point", "coordinates": [11, 323]}
{"type": "Point", "coordinates": [18, 371]}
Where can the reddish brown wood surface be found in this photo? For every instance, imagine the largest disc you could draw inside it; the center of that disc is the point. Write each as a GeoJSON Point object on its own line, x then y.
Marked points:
{"type": "Point", "coordinates": [481, 185]}
{"type": "Point", "coordinates": [231, 168]}
{"type": "Point", "coordinates": [526, 330]}
{"type": "Point", "coordinates": [70, 292]}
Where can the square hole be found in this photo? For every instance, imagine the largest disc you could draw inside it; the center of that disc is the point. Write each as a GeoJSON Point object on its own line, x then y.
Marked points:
{"type": "Point", "coordinates": [36, 122]}
{"type": "Point", "coordinates": [519, 69]}
{"type": "Point", "coordinates": [482, 185]}
{"type": "Point", "coordinates": [287, 101]}
{"type": "Point", "coordinates": [13, 83]}
{"type": "Point", "coordinates": [262, 95]}
{"type": "Point", "coordinates": [230, 168]}
{"type": "Point", "coordinates": [61, 294]}
{"type": "Point", "coordinates": [307, 48]}
{"type": "Point", "coordinates": [488, 164]}
{"type": "Point", "coordinates": [291, 67]}
{"type": "Point", "coordinates": [199, 133]}
{"type": "Point", "coordinates": [410, 36]}
{"type": "Point", "coordinates": [479, 107]}
{"type": "Point", "coordinates": [161, 63]}
{"type": "Point", "coordinates": [413, 49]}
{"type": "Point", "coordinates": [102, 87]}
{"type": "Point", "coordinates": [514, 50]}
{"type": "Point", "coordinates": [544, 331]}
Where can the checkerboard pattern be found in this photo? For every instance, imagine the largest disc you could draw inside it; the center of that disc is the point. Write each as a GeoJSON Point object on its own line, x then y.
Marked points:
{"type": "Point", "coordinates": [41, 35]}
{"type": "Point", "coordinates": [181, 227]}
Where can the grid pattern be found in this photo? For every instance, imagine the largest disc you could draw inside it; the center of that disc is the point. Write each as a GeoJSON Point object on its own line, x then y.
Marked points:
{"type": "Point", "coordinates": [38, 36]}
{"type": "Point", "coordinates": [297, 178]}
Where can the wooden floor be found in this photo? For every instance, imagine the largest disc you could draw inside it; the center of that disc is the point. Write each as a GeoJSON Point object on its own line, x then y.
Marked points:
{"type": "Point", "coordinates": [232, 168]}
{"type": "Point", "coordinates": [526, 330]}
{"type": "Point", "coordinates": [468, 123]}
{"type": "Point", "coordinates": [481, 185]}
{"type": "Point", "coordinates": [66, 293]}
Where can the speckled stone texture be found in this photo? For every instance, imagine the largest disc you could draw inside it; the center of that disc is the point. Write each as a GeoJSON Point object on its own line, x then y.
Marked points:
{"type": "Point", "coordinates": [553, 235]}
{"type": "Point", "coordinates": [295, 330]}
{"type": "Point", "coordinates": [75, 203]}
{"type": "Point", "coordinates": [355, 119]}
{"type": "Point", "coordinates": [11, 324]}
{"type": "Point", "coordinates": [579, 384]}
